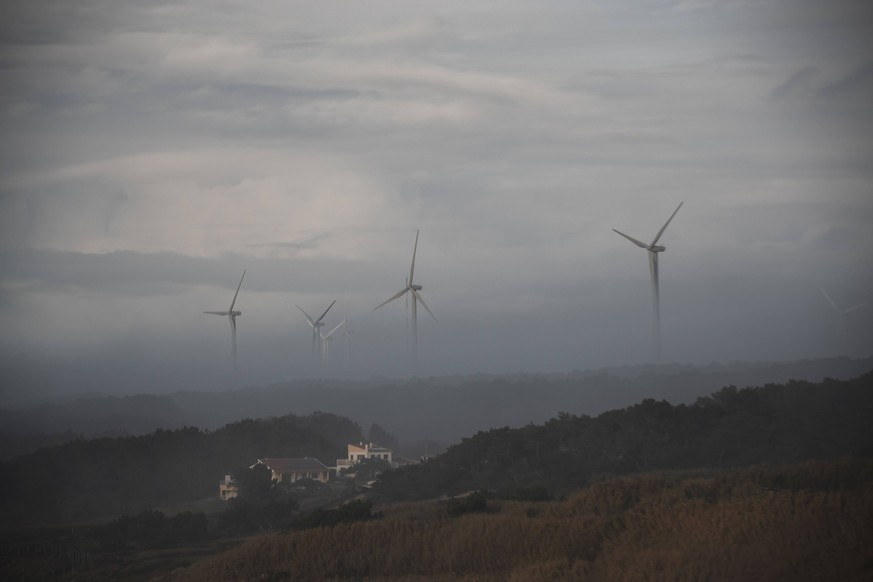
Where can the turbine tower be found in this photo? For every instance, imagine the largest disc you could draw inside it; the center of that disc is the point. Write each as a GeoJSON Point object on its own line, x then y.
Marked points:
{"type": "Point", "coordinates": [844, 318]}
{"type": "Point", "coordinates": [653, 249]}
{"type": "Point", "coordinates": [413, 290]}
{"type": "Point", "coordinates": [347, 333]}
{"type": "Point", "coordinates": [231, 316]}
{"type": "Point", "coordinates": [316, 324]}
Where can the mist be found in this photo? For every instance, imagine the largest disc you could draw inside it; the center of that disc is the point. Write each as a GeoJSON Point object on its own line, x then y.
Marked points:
{"type": "Point", "coordinates": [151, 153]}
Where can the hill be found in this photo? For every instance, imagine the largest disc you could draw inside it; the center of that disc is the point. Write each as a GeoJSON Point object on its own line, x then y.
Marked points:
{"type": "Point", "coordinates": [411, 409]}
{"type": "Point", "coordinates": [772, 424]}
{"type": "Point", "coordinates": [84, 480]}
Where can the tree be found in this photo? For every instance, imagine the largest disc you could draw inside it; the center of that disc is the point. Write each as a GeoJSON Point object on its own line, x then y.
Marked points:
{"type": "Point", "coordinates": [255, 482]}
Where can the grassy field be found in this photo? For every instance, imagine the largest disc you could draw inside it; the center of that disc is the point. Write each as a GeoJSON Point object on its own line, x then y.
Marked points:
{"type": "Point", "coordinates": [812, 521]}
{"type": "Point", "coordinates": [804, 522]}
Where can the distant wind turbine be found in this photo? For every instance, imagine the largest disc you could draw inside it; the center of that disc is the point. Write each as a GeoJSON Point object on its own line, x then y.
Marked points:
{"type": "Point", "coordinates": [653, 249]}
{"type": "Point", "coordinates": [316, 324]}
{"type": "Point", "coordinates": [412, 289]}
{"type": "Point", "coordinates": [844, 317]}
{"type": "Point", "coordinates": [231, 316]}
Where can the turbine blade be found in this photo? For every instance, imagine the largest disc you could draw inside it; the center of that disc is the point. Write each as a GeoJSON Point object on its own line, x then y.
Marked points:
{"type": "Point", "coordinates": [306, 315]}
{"type": "Point", "coordinates": [392, 298]}
{"type": "Point", "coordinates": [851, 309]}
{"type": "Point", "coordinates": [412, 267]}
{"type": "Point", "coordinates": [232, 303]}
{"type": "Point", "coordinates": [831, 301]}
{"type": "Point", "coordinates": [663, 228]}
{"type": "Point", "coordinates": [633, 240]}
{"type": "Point", "coordinates": [317, 321]}
{"type": "Point", "coordinates": [421, 299]}
{"type": "Point", "coordinates": [216, 312]}
{"type": "Point", "coordinates": [339, 325]}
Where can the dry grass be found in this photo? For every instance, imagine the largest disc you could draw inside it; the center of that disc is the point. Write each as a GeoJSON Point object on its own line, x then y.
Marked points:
{"type": "Point", "coordinates": [650, 528]}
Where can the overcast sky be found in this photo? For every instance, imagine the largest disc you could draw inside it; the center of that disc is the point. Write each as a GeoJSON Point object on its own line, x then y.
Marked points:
{"type": "Point", "coordinates": [152, 151]}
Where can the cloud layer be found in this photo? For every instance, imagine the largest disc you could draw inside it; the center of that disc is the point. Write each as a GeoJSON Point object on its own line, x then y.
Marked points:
{"type": "Point", "coordinates": [152, 151]}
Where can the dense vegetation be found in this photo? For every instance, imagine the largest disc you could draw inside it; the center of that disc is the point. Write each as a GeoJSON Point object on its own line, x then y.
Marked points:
{"type": "Point", "coordinates": [86, 479]}
{"type": "Point", "coordinates": [152, 529]}
{"type": "Point", "coordinates": [803, 522]}
{"type": "Point", "coordinates": [772, 424]}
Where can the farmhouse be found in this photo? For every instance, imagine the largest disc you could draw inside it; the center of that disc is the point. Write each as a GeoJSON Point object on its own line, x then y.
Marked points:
{"type": "Point", "coordinates": [361, 451]}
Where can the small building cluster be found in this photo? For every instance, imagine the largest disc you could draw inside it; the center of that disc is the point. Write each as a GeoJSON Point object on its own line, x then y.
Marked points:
{"type": "Point", "coordinates": [290, 470]}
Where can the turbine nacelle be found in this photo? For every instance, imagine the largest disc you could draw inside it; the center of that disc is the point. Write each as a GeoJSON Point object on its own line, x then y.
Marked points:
{"type": "Point", "coordinates": [657, 248]}
{"type": "Point", "coordinates": [416, 287]}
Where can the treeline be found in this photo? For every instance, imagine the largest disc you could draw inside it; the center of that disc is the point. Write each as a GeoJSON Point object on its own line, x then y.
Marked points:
{"type": "Point", "coordinates": [772, 424]}
{"type": "Point", "coordinates": [87, 479]}
{"type": "Point", "coordinates": [802, 522]}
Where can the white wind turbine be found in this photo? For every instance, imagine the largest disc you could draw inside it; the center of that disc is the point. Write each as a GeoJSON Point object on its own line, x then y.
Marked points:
{"type": "Point", "coordinates": [316, 324]}
{"type": "Point", "coordinates": [413, 290]}
{"type": "Point", "coordinates": [844, 318]}
{"type": "Point", "coordinates": [653, 249]}
{"type": "Point", "coordinates": [231, 316]}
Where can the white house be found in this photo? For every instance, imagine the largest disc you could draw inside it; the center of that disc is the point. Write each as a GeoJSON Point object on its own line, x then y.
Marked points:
{"type": "Point", "coordinates": [361, 451]}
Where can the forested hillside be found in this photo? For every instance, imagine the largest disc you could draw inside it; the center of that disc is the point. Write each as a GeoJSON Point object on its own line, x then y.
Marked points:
{"type": "Point", "coordinates": [805, 522]}
{"type": "Point", "coordinates": [772, 424]}
{"type": "Point", "coordinates": [87, 479]}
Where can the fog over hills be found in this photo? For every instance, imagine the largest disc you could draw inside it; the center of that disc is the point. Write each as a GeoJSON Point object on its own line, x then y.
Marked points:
{"type": "Point", "coordinates": [443, 409]}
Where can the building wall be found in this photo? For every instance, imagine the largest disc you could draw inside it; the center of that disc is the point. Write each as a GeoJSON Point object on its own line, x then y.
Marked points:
{"type": "Point", "coordinates": [294, 476]}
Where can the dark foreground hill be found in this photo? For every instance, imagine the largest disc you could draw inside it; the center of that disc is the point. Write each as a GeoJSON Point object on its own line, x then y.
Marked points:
{"type": "Point", "coordinates": [87, 479]}
{"type": "Point", "coordinates": [773, 424]}
{"type": "Point", "coordinates": [806, 522]}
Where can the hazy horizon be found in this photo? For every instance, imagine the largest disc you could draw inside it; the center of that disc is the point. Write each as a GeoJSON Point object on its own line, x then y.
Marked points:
{"type": "Point", "coordinates": [154, 151]}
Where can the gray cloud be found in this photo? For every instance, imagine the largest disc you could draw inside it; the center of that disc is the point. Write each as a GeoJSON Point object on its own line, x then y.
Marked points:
{"type": "Point", "coordinates": [153, 151]}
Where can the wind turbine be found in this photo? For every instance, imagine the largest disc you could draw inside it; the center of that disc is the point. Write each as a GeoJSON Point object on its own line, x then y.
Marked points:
{"type": "Point", "coordinates": [653, 249]}
{"type": "Point", "coordinates": [413, 290]}
{"type": "Point", "coordinates": [315, 324]}
{"type": "Point", "coordinates": [844, 317]}
{"type": "Point", "coordinates": [231, 316]}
